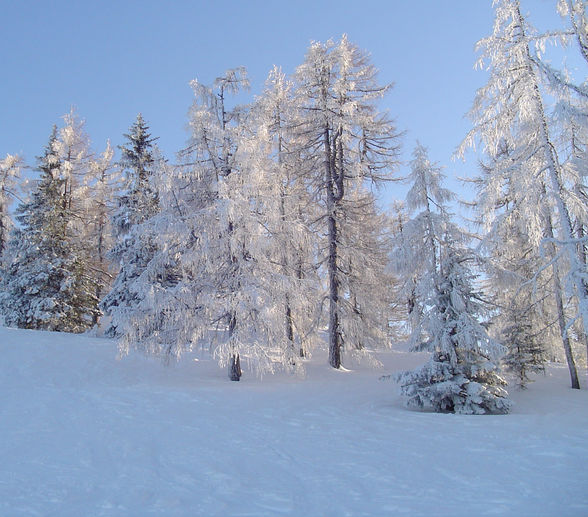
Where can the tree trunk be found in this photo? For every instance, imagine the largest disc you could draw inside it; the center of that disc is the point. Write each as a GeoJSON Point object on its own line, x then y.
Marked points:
{"type": "Point", "coordinates": [235, 368]}
{"type": "Point", "coordinates": [334, 328]}
{"type": "Point", "coordinates": [290, 331]}
{"type": "Point", "coordinates": [560, 309]}
{"type": "Point", "coordinates": [334, 324]}
{"type": "Point", "coordinates": [234, 360]}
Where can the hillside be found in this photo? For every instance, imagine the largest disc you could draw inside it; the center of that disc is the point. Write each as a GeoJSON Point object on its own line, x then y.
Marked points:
{"type": "Point", "coordinates": [82, 433]}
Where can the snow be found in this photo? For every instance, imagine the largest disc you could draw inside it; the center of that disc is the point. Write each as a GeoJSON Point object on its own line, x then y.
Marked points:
{"type": "Point", "coordinates": [82, 433]}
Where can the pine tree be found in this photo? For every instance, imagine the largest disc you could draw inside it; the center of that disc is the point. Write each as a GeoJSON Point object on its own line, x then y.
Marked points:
{"type": "Point", "coordinates": [46, 285]}
{"type": "Point", "coordinates": [133, 247]}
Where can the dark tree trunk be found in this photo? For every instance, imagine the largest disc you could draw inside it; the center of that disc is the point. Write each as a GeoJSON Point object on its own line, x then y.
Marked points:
{"type": "Point", "coordinates": [290, 330]}
{"type": "Point", "coordinates": [334, 328]}
{"type": "Point", "coordinates": [235, 368]}
{"type": "Point", "coordinates": [234, 360]}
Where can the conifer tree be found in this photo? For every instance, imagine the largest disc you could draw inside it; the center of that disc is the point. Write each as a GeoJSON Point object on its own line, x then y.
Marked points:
{"type": "Point", "coordinates": [511, 108]}
{"type": "Point", "coordinates": [133, 247]}
{"type": "Point", "coordinates": [347, 144]}
{"type": "Point", "coordinates": [285, 210]}
{"type": "Point", "coordinates": [416, 248]}
{"type": "Point", "coordinates": [45, 285]}
{"type": "Point", "coordinates": [9, 173]}
{"type": "Point", "coordinates": [512, 230]}
{"type": "Point", "coordinates": [462, 374]}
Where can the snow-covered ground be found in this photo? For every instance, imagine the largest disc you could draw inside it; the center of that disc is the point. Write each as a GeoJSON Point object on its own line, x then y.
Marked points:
{"type": "Point", "coordinates": [82, 434]}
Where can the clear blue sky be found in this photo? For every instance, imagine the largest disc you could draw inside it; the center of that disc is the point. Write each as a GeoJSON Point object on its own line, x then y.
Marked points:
{"type": "Point", "coordinates": [113, 59]}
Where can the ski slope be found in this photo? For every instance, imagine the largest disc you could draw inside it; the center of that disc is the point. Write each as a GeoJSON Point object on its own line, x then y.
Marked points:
{"type": "Point", "coordinates": [84, 434]}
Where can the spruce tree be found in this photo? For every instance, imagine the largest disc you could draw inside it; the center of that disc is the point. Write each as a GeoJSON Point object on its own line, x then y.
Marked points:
{"type": "Point", "coordinates": [462, 375]}
{"type": "Point", "coordinates": [133, 248]}
{"type": "Point", "coordinates": [46, 285]}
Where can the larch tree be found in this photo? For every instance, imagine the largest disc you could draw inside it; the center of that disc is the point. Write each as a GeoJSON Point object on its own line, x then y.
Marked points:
{"type": "Point", "coordinates": [512, 230]}
{"type": "Point", "coordinates": [102, 181]}
{"type": "Point", "coordinates": [347, 143]}
{"type": "Point", "coordinates": [403, 286]}
{"type": "Point", "coordinates": [511, 109]}
{"type": "Point", "coordinates": [285, 210]}
{"type": "Point", "coordinates": [89, 185]}
{"type": "Point", "coordinates": [215, 240]}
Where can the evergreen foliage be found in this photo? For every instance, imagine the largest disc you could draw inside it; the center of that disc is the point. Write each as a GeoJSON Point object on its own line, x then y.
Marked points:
{"type": "Point", "coordinates": [133, 247]}
{"type": "Point", "coordinates": [462, 374]}
{"type": "Point", "coordinates": [9, 175]}
{"type": "Point", "coordinates": [46, 285]}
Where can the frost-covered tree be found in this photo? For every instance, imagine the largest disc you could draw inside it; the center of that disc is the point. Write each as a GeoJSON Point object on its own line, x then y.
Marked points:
{"type": "Point", "coordinates": [511, 233]}
{"type": "Point", "coordinates": [510, 109]}
{"type": "Point", "coordinates": [88, 183]}
{"type": "Point", "coordinates": [285, 209]}
{"type": "Point", "coordinates": [347, 143]}
{"type": "Point", "coordinates": [46, 285]}
{"type": "Point", "coordinates": [462, 375]}
{"type": "Point", "coordinates": [214, 238]}
{"type": "Point", "coordinates": [103, 182]}
{"type": "Point", "coordinates": [10, 168]}
{"type": "Point", "coordinates": [366, 284]}
{"type": "Point", "coordinates": [575, 11]}
{"type": "Point", "coordinates": [402, 287]}
{"type": "Point", "coordinates": [416, 249]}
{"type": "Point", "coordinates": [139, 201]}
{"type": "Point", "coordinates": [523, 340]}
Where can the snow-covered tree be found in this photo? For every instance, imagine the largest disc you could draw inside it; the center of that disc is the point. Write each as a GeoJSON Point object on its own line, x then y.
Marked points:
{"type": "Point", "coordinates": [347, 143]}
{"type": "Point", "coordinates": [522, 339]}
{"type": "Point", "coordinates": [462, 375]}
{"type": "Point", "coordinates": [133, 247]}
{"type": "Point", "coordinates": [89, 186]}
{"type": "Point", "coordinates": [10, 168]}
{"type": "Point", "coordinates": [511, 233]}
{"type": "Point", "coordinates": [46, 285]}
{"type": "Point", "coordinates": [416, 249]}
{"type": "Point", "coordinates": [510, 110]}
{"type": "Point", "coordinates": [366, 285]}
{"type": "Point", "coordinates": [402, 286]}
{"type": "Point", "coordinates": [103, 182]}
{"type": "Point", "coordinates": [285, 209]}
{"type": "Point", "coordinates": [575, 11]}
{"type": "Point", "coordinates": [212, 224]}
